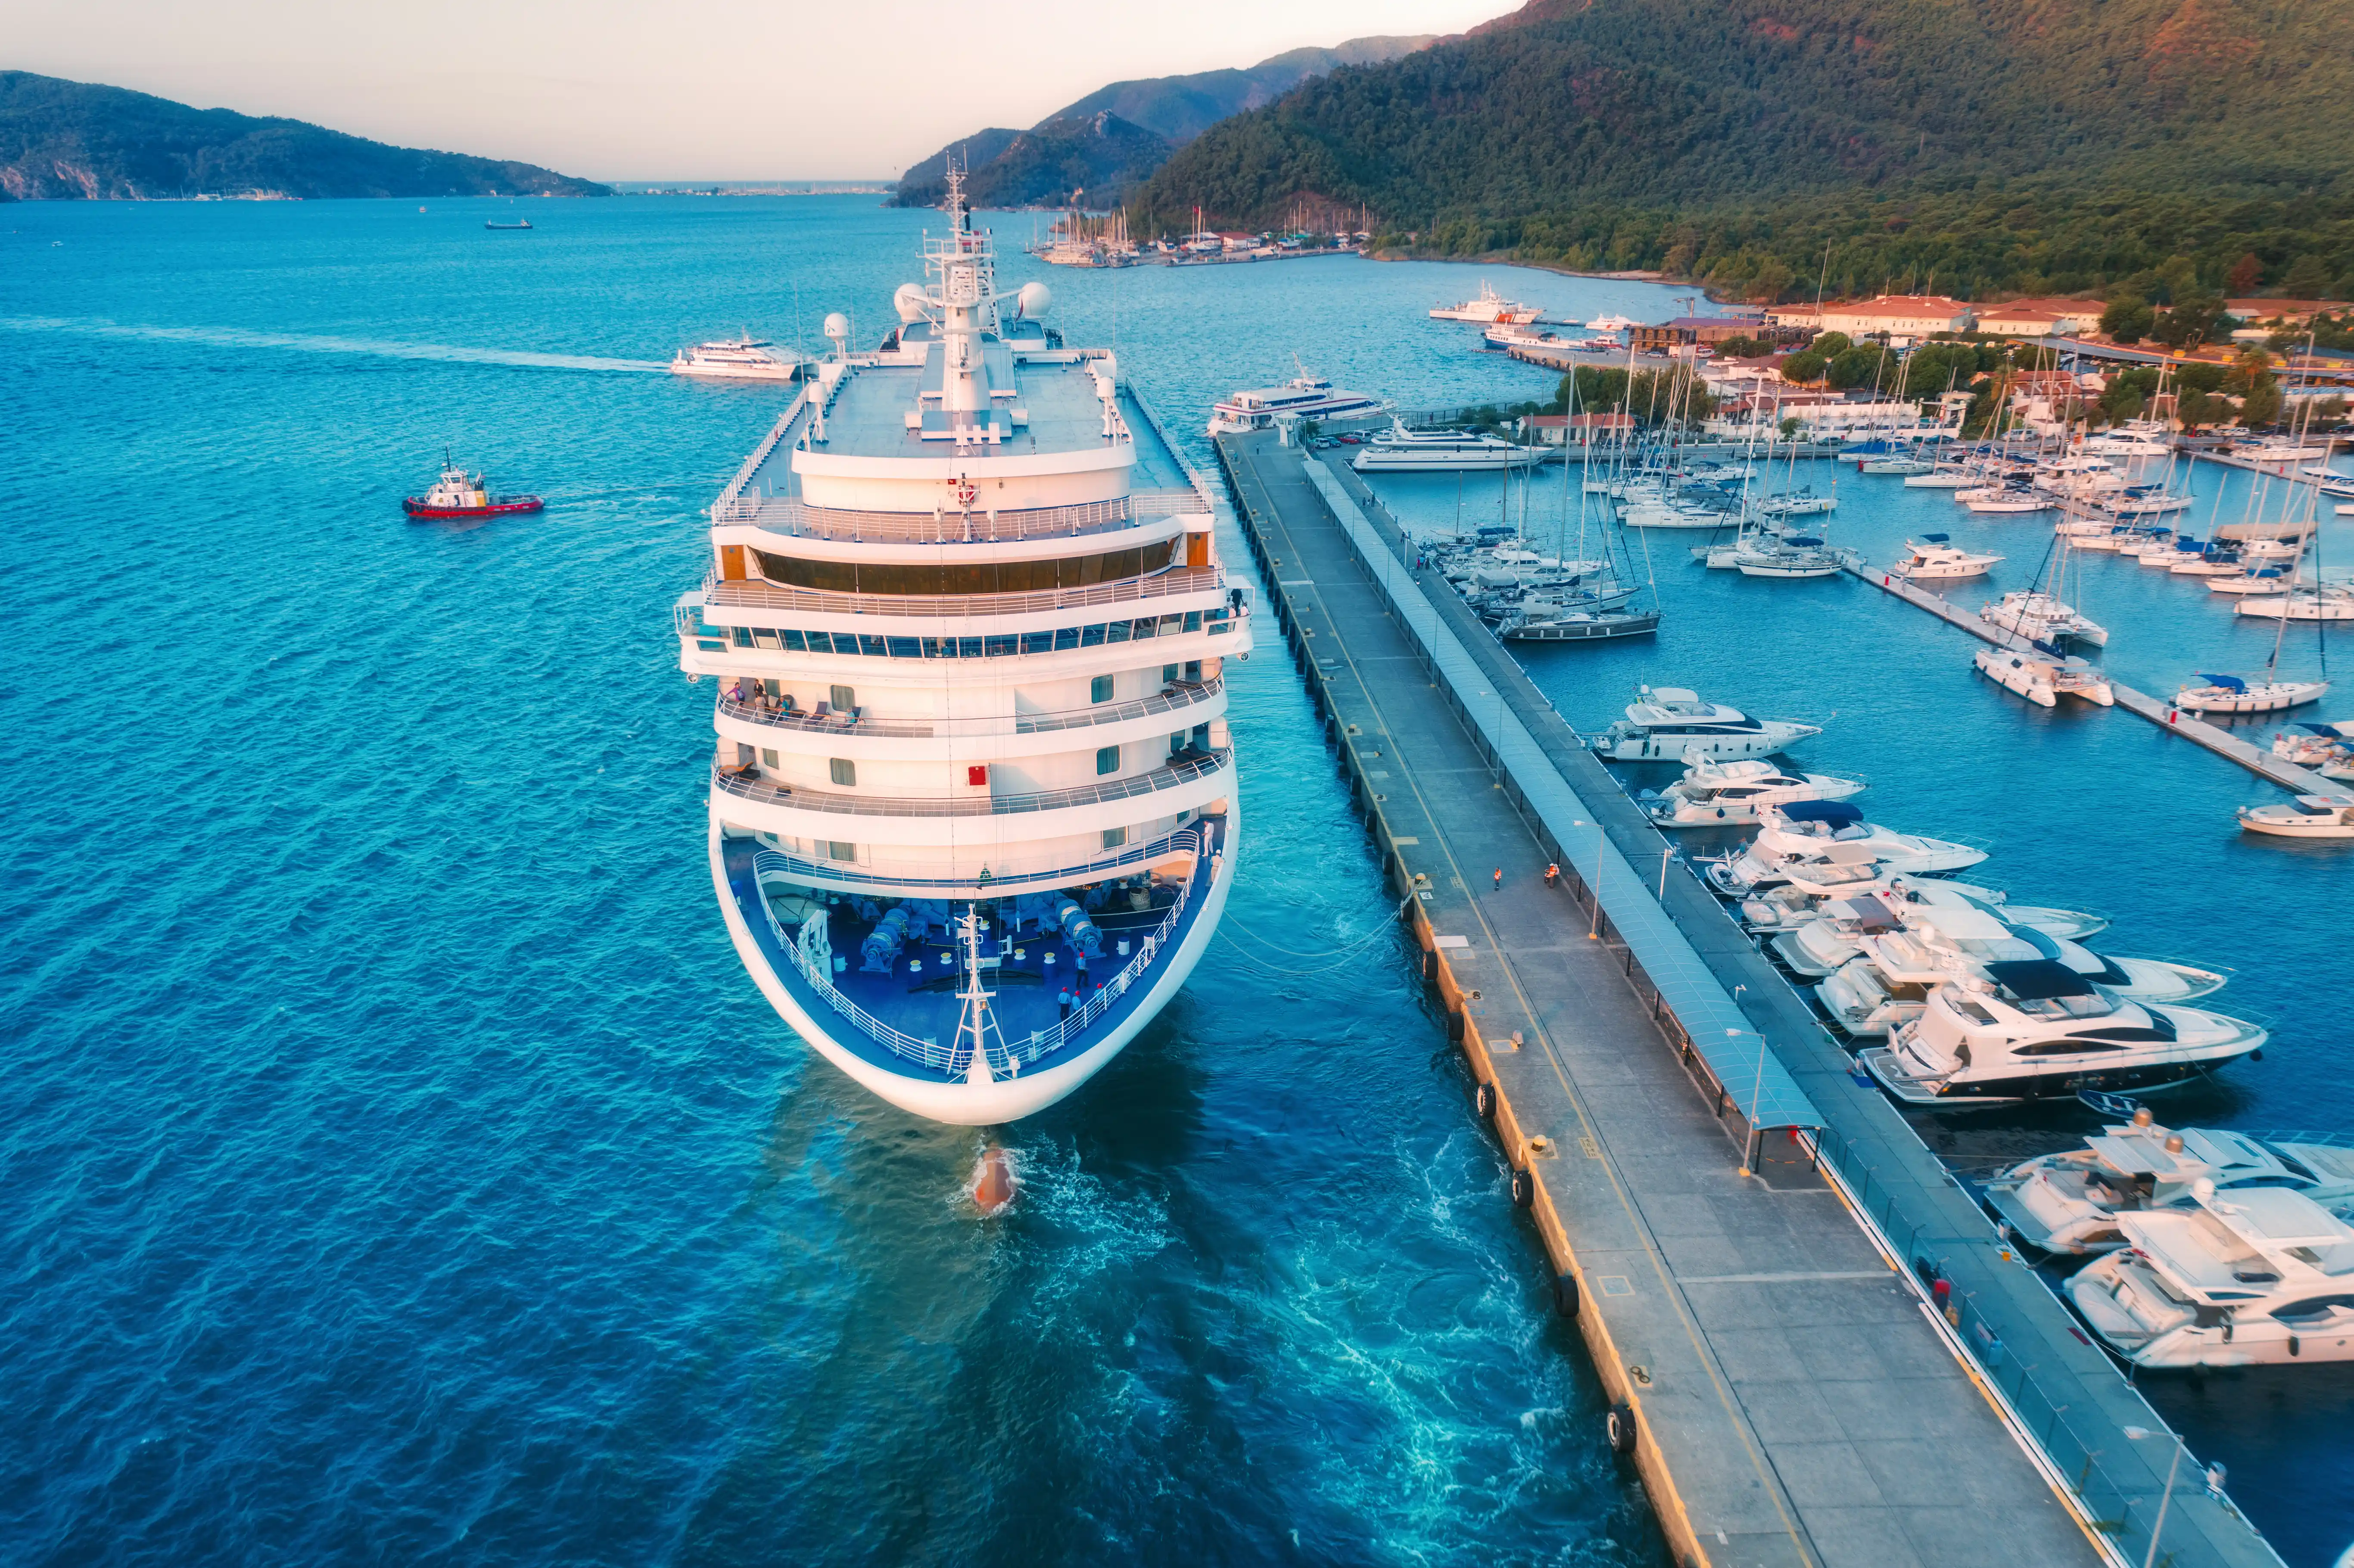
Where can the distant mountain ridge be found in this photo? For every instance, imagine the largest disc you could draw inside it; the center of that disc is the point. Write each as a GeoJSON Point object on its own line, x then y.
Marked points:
{"type": "Point", "coordinates": [2013, 142]}
{"type": "Point", "coordinates": [1117, 135]}
{"type": "Point", "coordinates": [71, 139]}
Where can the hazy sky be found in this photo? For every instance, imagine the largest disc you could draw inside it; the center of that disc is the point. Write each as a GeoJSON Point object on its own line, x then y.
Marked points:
{"type": "Point", "coordinates": [724, 90]}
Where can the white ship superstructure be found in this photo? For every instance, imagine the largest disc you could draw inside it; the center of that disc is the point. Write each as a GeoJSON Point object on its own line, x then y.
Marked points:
{"type": "Point", "coordinates": [973, 812]}
{"type": "Point", "coordinates": [1304, 396]}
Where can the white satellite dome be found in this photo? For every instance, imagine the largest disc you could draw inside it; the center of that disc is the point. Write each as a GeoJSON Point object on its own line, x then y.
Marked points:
{"type": "Point", "coordinates": [1036, 300]}
{"type": "Point", "coordinates": [910, 302]}
{"type": "Point", "coordinates": [837, 326]}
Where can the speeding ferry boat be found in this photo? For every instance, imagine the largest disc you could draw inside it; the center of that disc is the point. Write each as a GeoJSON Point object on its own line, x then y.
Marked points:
{"type": "Point", "coordinates": [1303, 396]}
{"type": "Point", "coordinates": [745, 358]}
{"type": "Point", "coordinates": [973, 812]}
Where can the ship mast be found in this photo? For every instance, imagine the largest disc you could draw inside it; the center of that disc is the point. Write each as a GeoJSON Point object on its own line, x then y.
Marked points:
{"type": "Point", "coordinates": [976, 1023]}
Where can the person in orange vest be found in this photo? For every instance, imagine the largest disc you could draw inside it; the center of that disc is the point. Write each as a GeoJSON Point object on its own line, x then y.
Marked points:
{"type": "Point", "coordinates": [1500, 879]}
{"type": "Point", "coordinates": [1553, 874]}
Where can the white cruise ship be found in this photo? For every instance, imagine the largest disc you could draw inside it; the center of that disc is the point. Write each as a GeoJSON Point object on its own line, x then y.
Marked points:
{"type": "Point", "coordinates": [1303, 396]}
{"type": "Point", "coordinates": [973, 813]}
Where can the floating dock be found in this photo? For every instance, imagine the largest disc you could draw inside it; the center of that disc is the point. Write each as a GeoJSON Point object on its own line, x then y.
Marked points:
{"type": "Point", "coordinates": [2163, 714]}
{"type": "Point", "coordinates": [1817, 1348]}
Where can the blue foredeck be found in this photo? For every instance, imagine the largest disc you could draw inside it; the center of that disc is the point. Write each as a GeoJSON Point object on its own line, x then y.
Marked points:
{"type": "Point", "coordinates": [1028, 983]}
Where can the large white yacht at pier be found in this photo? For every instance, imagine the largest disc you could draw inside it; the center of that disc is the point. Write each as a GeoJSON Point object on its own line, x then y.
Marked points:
{"type": "Point", "coordinates": [973, 812]}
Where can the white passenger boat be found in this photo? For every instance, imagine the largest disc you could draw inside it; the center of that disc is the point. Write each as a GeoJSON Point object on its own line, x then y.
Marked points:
{"type": "Point", "coordinates": [1485, 306]}
{"type": "Point", "coordinates": [744, 358]}
{"type": "Point", "coordinates": [1402, 451]}
{"type": "Point", "coordinates": [1612, 323]}
{"type": "Point", "coordinates": [973, 816]}
{"type": "Point", "coordinates": [2251, 1276]}
{"type": "Point", "coordinates": [2235, 695]}
{"type": "Point", "coordinates": [2035, 1029]}
{"type": "Point", "coordinates": [1713, 794]}
{"type": "Point", "coordinates": [2068, 1202]}
{"type": "Point", "coordinates": [1511, 335]}
{"type": "Point", "coordinates": [1789, 834]}
{"type": "Point", "coordinates": [2308, 817]}
{"type": "Point", "coordinates": [2040, 617]}
{"type": "Point", "coordinates": [1937, 558]}
{"type": "Point", "coordinates": [2043, 678]}
{"type": "Point", "coordinates": [1304, 396]}
{"type": "Point", "coordinates": [1672, 723]}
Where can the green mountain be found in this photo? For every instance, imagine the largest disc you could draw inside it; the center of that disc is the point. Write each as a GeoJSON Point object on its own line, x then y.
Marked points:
{"type": "Point", "coordinates": [1098, 153]}
{"type": "Point", "coordinates": [2000, 142]}
{"type": "Point", "coordinates": [1113, 138]}
{"type": "Point", "coordinates": [70, 139]}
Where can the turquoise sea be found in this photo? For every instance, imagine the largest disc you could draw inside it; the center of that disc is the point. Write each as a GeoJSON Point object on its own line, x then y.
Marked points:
{"type": "Point", "coordinates": [399, 1167]}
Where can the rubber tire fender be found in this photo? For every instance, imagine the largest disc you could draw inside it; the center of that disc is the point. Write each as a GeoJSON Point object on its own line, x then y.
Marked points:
{"type": "Point", "coordinates": [1524, 1189]}
{"type": "Point", "coordinates": [1564, 1295]}
{"type": "Point", "coordinates": [1484, 1099]}
{"type": "Point", "coordinates": [1618, 1428]}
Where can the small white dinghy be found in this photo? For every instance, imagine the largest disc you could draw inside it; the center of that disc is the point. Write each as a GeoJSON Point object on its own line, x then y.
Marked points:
{"type": "Point", "coordinates": [2308, 816]}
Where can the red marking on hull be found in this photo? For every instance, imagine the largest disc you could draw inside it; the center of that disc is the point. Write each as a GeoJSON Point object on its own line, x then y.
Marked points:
{"type": "Point", "coordinates": [504, 504]}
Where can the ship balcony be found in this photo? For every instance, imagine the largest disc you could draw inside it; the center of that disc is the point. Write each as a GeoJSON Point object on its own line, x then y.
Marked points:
{"type": "Point", "coordinates": [738, 602]}
{"type": "Point", "coordinates": [793, 518]}
{"type": "Point", "coordinates": [1189, 780]}
{"type": "Point", "coordinates": [764, 723]}
{"type": "Point", "coordinates": [903, 1015]}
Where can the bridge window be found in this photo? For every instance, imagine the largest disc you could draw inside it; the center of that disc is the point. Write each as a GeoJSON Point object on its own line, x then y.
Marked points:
{"type": "Point", "coordinates": [979, 576]}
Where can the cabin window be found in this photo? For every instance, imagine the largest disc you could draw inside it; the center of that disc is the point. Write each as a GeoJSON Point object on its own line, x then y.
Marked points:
{"type": "Point", "coordinates": [768, 758]}
{"type": "Point", "coordinates": [843, 699]}
{"type": "Point", "coordinates": [1114, 837]}
{"type": "Point", "coordinates": [843, 851]}
{"type": "Point", "coordinates": [1107, 761]}
{"type": "Point", "coordinates": [979, 576]}
{"type": "Point", "coordinates": [1100, 689]}
{"type": "Point", "coordinates": [844, 771]}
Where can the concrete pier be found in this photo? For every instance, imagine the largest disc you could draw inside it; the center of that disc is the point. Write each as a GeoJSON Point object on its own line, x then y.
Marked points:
{"type": "Point", "coordinates": [1819, 1351]}
{"type": "Point", "coordinates": [2163, 714]}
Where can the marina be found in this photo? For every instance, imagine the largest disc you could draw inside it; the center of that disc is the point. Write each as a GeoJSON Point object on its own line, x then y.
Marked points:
{"type": "Point", "coordinates": [1526, 995]}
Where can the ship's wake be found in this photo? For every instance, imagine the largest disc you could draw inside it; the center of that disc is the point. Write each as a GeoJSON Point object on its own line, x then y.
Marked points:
{"type": "Point", "coordinates": [305, 343]}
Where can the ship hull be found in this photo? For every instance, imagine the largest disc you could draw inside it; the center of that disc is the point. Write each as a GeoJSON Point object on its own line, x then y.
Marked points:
{"type": "Point", "coordinates": [1001, 1100]}
{"type": "Point", "coordinates": [417, 508]}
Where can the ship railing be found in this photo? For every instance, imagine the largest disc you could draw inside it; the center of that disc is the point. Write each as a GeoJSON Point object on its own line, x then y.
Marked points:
{"type": "Point", "coordinates": [790, 514]}
{"type": "Point", "coordinates": [1175, 699]}
{"type": "Point", "coordinates": [728, 498]}
{"type": "Point", "coordinates": [746, 593]}
{"type": "Point", "coordinates": [811, 952]}
{"type": "Point", "coordinates": [1180, 770]}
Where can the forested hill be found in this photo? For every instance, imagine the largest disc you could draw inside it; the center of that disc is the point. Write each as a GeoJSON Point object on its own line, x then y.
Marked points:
{"type": "Point", "coordinates": [1110, 140]}
{"type": "Point", "coordinates": [60, 139]}
{"type": "Point", "coordinates": [1573, 126]}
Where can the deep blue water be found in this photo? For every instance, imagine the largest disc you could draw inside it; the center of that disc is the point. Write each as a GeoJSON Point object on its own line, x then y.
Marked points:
{"type": "Point", "coordinates": [397, 1166]}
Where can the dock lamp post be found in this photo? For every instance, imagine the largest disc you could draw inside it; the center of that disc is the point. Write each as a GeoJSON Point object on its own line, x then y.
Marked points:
{"type": "Point", "coordinates": [2138, 1433]}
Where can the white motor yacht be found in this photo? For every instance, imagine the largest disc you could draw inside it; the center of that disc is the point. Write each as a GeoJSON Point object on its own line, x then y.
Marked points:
{"type": "Point", "coordinates": [1803, 828]}
{"type": "Point", "coordinates": [2069, 1201]}
{"type": "Point", "coordinates": [2308, 816]}
{"type": "Point", "coordinates": [1665, 723]}
{"type": "Point", "coordinates": [2041, 617]}
{"type": "Point", "coordinates": [2253, 1277]}
{"type": "Point", "coordinates": [1612, 321]}
{"type": "Point", "coordinates": [2328, 601]}
{"type": "Point", "coordinates": [1936, 556]}
{"type": "Point", "coordinates": [1903, 467]}
{"type": "Point", "coordinates": [1713, 794]}
{"type": "Point", "coordinates": [1402, 451]}
{"type": "Point", "coordinates": [2234, 694]}
{"type": "Point", "coordinates": [1942, 477]}
{"type": "Point", "coordinates": [745, 358]}
{"type": "Point", "coordinates": [1796, 905]}
{"type": "Point", "coordinates": [1889, 980]}
{"type": "Point", "coordinates": [2260, 580]}
{"type": "Point", "coordinates": [2035, 1029]}
{"type": "Point", "coordinates": [2043, 678]}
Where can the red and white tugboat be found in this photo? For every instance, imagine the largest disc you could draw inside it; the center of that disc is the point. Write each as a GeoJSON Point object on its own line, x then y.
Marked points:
{"type": "Point", "coordinates": [458, 493]}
